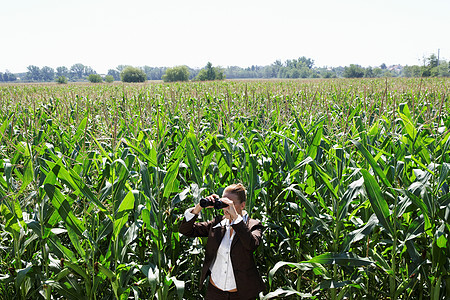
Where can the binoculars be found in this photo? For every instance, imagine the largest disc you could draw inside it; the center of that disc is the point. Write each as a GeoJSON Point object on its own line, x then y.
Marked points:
{"type": "Point", "coordinates": [217, 203]}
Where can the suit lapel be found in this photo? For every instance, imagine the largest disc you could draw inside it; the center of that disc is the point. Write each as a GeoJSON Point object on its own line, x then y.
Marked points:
{"type": "Point", "coordinates": [219, 232]}
{"type": "Point", "coordinates": [236, 238]}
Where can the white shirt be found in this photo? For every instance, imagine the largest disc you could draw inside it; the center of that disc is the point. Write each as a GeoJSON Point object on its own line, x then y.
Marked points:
{"type": "Point", "coordinates": [222, 269]}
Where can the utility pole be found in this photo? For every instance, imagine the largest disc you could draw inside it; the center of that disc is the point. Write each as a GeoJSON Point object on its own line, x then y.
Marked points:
{"type": "Point", "coordinates": [439, 50]}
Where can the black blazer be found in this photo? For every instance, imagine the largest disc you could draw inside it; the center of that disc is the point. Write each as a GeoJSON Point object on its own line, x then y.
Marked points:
{"type": "Point", "coordinates": [246, 240]}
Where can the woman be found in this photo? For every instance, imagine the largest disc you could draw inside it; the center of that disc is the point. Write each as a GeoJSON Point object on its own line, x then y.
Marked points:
{"type": "Point", "coordinates": [232, 239]}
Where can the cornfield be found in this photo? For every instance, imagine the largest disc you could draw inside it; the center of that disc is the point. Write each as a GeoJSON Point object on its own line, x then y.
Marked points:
{"type": "Point", "coordinates": [349, 177]}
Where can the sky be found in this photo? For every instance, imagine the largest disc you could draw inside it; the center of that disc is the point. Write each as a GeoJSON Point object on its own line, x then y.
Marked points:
{"type": "Point", "coordinates": [103, 34]}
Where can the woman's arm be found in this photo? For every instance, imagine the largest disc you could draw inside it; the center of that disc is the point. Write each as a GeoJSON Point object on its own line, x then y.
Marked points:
{"type": "Point", "coordinates": [189, 227]}
{"type": "Point", "coordinates": [250, 235]}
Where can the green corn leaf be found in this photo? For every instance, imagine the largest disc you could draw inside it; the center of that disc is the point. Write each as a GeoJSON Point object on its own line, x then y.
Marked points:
{"type": "Point", "coordinates": [28, 169]}
{"type": "Point", "coordinates": [192, 139]}
{"type": "Point", "coordinates": [300, 266]}
{"type": "Point", "coordinates": [12, 224]}
{"type": "Point", "coordinates": [74, 266]}
{"type": "Point", "coordinates": [121, 169]}
{"type": "Point", "coordinates": [64, 210]}
{"type": "Point", "coordinates": [312, 149]}
{"type": "Point", "coordinates": [422, 206]}
{"type": "Point", "coordinates": [380, 261]}
{"type": "Point", "coordinates": [354, 190]}
{"type": "Point", "coordinates": [107, 272]}
{"type": "Point", "coordinates": [80, 130]}
{"type": "Point", "coordinates": [325, 178]}
{"type": "Point", "coordinates": [18, 212]}
{"type": "Point", "coordinates": [75, 182]}
{"type": "Point", "coordinates": [287, 155]}
{"type": "Point", "coordinates": [146, 184]}
{"type": "Point", "coordinates": [179, 285]}
{"type": "Point", "coordinates": [252, 182]}
{"type": "Point", "coordinates": [435, 291]}
{"type": "Point", "coordinates": [444, 200]}
{"type": "Point", "coordinates": [145, 214]}
{"type": "Point", "coordinates": [332, 284]}
{"type": "Point", "coordinates": [21, 275]}
{"type": "Point", "coordinates": [442, 241]}
{"type": "Point", "coordinates": [3, 127]}
{"type": "Point", "coordinates": [378, 203]}
{"type": "Point", "coordinates": [308, 205]}
{"type": "Point", "coordinates": [285, 292]}
{"type": "Point", "coordinates": [409, 126]}
{"type": "Point", "coordinates": [372, 162]}
{"type": "Point", "coordinates": [304, 162]}
{"type": "Point", "coordinates": [150, 158]}
{"type": "Point", "coordinates": [415, 229]}
{"type": "Point", "coordinates": [102, 150]}
{"type": "Point", "coordinates": [124, 209]}
{"type": "Point", "coordinates": [7, 171]}
{"type": "Point", "coordinates": [193, 165]}
{"type": "Point", "coordinates": [444, 174]}
{"type": "Point", "coordinates": [64, 272]}
{"type": "Point", "coordinates": [415, 138]}
{"type": "Point", "coordinates": [60, 250]}
{"type": "Point", "coordinates": [106, 227]}
{"type": "Point", "coordinates": [152, 273]}
{"type": "Point", "coordinates": [359, 233]}
{"type": "Point", "coordinates": [342, 259]}
{"type": "Point", "coordinates": [70, 290]}
{"type": "Point", "coordinates": [170, 180]}
{"type": "Point", "coordinates": [441, 237]}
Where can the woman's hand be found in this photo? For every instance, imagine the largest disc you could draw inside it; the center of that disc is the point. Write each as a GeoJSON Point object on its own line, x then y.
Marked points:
{"type": "Point", "coordinates": [229, 211]}
{"type": "Point", "coordinates": [198, 208]}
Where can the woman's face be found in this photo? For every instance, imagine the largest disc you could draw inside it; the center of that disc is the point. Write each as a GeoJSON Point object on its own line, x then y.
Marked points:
{"type": "Point", "coordinates": [237, 205]}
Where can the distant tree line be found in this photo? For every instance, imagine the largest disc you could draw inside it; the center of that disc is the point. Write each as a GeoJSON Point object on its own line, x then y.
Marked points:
{"type": "Point", "coordinates": [302, 67]}
{"type": "Point", "coordinates": [183, 73]}
{"type": "Point", "coordinates": [7, 77]}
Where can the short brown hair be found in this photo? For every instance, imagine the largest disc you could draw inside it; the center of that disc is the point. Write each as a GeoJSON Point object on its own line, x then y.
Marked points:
{"type": "Point", "coordinates": [238, 190]}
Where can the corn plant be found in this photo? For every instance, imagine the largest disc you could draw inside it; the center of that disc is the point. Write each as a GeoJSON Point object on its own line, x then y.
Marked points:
{"type": "Point", "coordinates": [349, 177]}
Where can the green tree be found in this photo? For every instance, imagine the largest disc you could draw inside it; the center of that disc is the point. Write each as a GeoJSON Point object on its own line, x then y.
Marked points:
{"type": "Point", "coordinates": [77, 70]}
{"type": "Point", "coordinates": [426, 71]}
{"type": "Point", "coordinates": [179, 73]}
{"type": "Point", "coordinates": [210, 73]}
{"type": "Point", "coordinates": [377, 72]}
{"type": "Point", "coordinates": [95, 78]}
{"type": "Point", "coordinates": [120, 68]}
{"type": "Point", "coordinates": [444, 69]}
{"type": "Point", "coordinates": [328, 74]}
{"type": "Point", "coordinates": [114, 73]}
{"type": "Point", "coordinates": [88, 71]}
{"type": "Point", "coordinates": [308, 62]}
{"type": "Point", "coordinates": [131, 74]}
{"type": "Point", "coordinates": [34, 73]}
{"type": "Point", "coordinates": [156, 73]}
{"type": "Point", "coordinates": [353, 71]}
{"type": "Point", "coordinates": [47, 73]}
{"type": "Point", "coordinates": [109, 78]}
{"type": "Point", "coordinates": [408, 71]}
{"type": "Point", "coordinates": [62, 71]}
{"type": "Point", "coordinates": [432, 61]}
{"type": "Point", "coordinates": [61, 80]}
{"type": "Point", "coordinates": [7, 76]}
{"type": "Point", "coordinates": [368, 72]}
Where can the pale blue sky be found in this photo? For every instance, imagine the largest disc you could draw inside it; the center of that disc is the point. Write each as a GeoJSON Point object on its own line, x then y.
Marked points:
{"type": "Point", "coordinates": [105, 33]}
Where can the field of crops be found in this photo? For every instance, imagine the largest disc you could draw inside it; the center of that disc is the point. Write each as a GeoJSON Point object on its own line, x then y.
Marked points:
{"type": "Point", "coordinates": [349, 177]}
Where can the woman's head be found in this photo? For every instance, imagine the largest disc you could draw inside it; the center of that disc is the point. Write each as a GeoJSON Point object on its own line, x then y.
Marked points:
{"type": "Point", "coordinates": [237, 194]}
